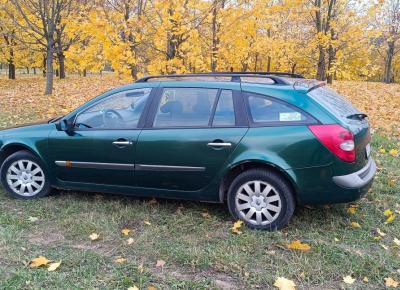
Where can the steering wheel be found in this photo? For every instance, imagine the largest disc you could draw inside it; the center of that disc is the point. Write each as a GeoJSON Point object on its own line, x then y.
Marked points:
{"type": "Point", "coordinates": [111, 118]}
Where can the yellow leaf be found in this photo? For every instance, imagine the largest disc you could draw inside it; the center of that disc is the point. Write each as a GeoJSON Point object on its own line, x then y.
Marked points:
{"type": "Point", "coordinates": [147, 223]}
{"type": "Point", "coordinates": [120, 260]}
{"type": "Point", "coordinates": [297, 245]}
{"type": "Point", "coordinates": [284, 284]}
{"type": "Point", "coordinates": [355, 225]}
{"type": "Point", "coordinates": [377, 238]}
{"type": "Point", "coordinates": [39, 261]}
{"type": "Point", "coordinates": [133, 288]}
{"type": "Point", "coordinates": [365, 279]}
{"type": "Point", "coordinates": [348, 279]}
{"type": "Point", "coordinates": [336, 240]}
{"type": "Point", "coordinates": [53, 266]}
{"type": "Point", "coordinates": [94, 236]}
{"type": "Point", "coordinates": [396, 241]}
{"type": "Point", "coordinates": [390, 219]}
{"type": "Point", "coordinates": [387, 213]}
{"type": "Point", "coordinates": [33, 219]}
{"type": "Point", "coordinates": [351, 210]}
{"type": "Point", "coordinates": [390, 282]}
{"type": "Point", "coordinates": [394, 152]}
{"type": "Point", "coordinates": [236, 226]}
{"type": "Point", "coordinates": [382, 150]}
{"type": "Point", "coordinates": [151, 288]}
{"type": "Point", "coordinates": [125, 232]}
{"type": "Point", "coordinates": [205, 215]}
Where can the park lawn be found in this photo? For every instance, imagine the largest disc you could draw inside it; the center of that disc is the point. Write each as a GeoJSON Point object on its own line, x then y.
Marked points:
{"type": "Point", "coordinates": [195, 239]}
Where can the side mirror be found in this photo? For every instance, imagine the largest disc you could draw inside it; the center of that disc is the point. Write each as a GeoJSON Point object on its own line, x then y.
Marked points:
{"type": "Point", "coordinates": [65, 125]}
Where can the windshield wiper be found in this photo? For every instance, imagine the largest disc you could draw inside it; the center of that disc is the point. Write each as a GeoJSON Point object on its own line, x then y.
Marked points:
{"type": "Point", "coordinates": [358, 116]}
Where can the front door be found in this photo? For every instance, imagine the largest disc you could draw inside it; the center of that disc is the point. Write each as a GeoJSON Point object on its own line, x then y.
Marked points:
{"type": "Point", "coordinates": [191, 135]}
{"type": "Point", "coordinates": [101, 148]}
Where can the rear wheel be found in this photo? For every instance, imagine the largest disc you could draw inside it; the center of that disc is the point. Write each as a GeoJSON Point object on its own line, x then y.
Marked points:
{"type": "Point", "coordinates": [261, 199]}
{"type": "Point", "coordinates": [23, 176]}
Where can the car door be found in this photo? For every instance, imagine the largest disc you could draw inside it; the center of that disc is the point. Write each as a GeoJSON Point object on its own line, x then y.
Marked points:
{"type": "Point", "coordinates": [189, 135]}
{"type": "Point", "coordinates": [101, 147]}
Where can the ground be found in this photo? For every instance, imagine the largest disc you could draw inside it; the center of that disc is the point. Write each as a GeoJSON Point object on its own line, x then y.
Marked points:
{"type": "Point", "coordinates": [194, 239]}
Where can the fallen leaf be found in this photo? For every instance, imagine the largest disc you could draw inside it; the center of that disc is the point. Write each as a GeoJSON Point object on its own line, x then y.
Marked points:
{"type": "Point", "coordinates": [133, 288]}
{"type": "Point", "coordinates": [336, 240]}
{"type": "Point", "coordinates": [355, 225]}
{"type": "Point", "coordinates": [284, 284]}
{"type": "Point", "coordinates": [125, 232]}
{"type": "Point", "coordinates": [130, 241]}
{"type": "Point", "coordinates": [390, 219]}
{"type": "Point", "coordinates": [120, 260]}
{"type": "Point", "coordinates": [33, 219]}
{"type": "Point", "coordinates": [382, 234]}
{"type": "Point", "coordinates": [236, 226]}
{"type": "Point", "coordinates": [53, 266]}
{"type": "Point", "coordinates": [147, 223]}
{"type": "Point", "coordinates": [384, 247]}
{"type": "Point", "coordinates": [377, 238]}
{"type": "Point", "coordinates": [382, 150]}
{"type": "Point", "coordinates": [94, 236]}
{"type": "Point", "coordinates": [205, 215]}
{"type": "Point", "coordinates": [348, 280]}
{"type": "Point", "coordinates": [352, 209]}
{"type": "Point", "coordinates": [390, 282]}
{"type": "Point", "coordinates": [365, 279]}
{"type": "Point", "coordinates": [297, 245]}
{"type": "Point", "coordinates": [160, 264]}
{"type": "Point", "coordinates": [39, 261]}
{"type": "Point", "coordinates": [151, 288]}
{"type": "Point", "coordinates": [394, 152]}
{"type": "Point", "coordinates": [387, 213]}
{"type": "Point", "coordinates": [396, 241]}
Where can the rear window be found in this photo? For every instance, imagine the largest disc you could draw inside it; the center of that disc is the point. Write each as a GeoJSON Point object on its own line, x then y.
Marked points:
{"type": "Point", "coordinates": [338, 105]}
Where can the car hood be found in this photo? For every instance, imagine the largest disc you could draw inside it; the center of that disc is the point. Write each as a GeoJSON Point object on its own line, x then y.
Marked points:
{"type": "Point", "coordinates": [24, 127]}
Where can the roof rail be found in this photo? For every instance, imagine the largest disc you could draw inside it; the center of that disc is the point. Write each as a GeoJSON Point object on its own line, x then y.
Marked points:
{"type": "Point", "coordinates": [276, 77]}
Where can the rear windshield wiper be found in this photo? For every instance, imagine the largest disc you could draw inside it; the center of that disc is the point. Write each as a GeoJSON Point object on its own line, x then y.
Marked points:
{"type": "Point", "coordinates": [358, 116]}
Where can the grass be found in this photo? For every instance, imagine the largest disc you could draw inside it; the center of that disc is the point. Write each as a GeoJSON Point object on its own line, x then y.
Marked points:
{"type": "Point", "coordinates": [200, 250]}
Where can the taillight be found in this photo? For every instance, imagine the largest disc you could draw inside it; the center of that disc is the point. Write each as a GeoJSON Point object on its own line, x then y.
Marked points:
{"type": "Point", "coordinates": [337, 139]}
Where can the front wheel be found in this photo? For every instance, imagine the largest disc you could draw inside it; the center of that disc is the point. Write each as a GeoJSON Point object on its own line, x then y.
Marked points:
{"type": "Point", "coordinates": [23, 176]}
{"type": "Point", "coordinates": [261, 199]}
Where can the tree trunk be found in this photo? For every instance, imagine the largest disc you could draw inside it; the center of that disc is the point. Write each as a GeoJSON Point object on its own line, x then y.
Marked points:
{"type": "Point", "coordinates": [268, 64]}
{"type": "Point", "coordinates": [321, 65]}
{"type": "Point", "coordinates": [44, 66]}
{"type": "Point", "coordinates": [293, 68]}
{"type": "Point", "coordinates": [34, 70]}
{"type": "Point", "coordinates": [387, 77]}
{"type": "Point", "coordinates": [11, 70]}
{"type": "Point", "coordinates": [11, 66]}
{"type": "Point", "coordinates": [49, 65]}
{"type": "Point", "coordinates": [214, 47]}
{"type": "Point", "coordinates": [61, 62]}
{"type": "Point", "coordinates": [27, 70]}
{"type": "Point", "coordinates": [134, 72]}
{"type": "Point", "coordinates": [84, 73]}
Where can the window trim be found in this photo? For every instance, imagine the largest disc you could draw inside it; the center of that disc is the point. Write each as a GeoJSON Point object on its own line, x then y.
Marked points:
{"type": "Point", "coordinates": [151, 115]}
{"type": "Point", "coordinates": [310, 120]}
{"type": "Point", "coordinates": [140, 123]}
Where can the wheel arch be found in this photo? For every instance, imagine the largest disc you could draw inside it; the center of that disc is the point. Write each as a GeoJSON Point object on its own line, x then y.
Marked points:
{"type": "Point", "coordinates": [238, 168]}
{"type": "Point", "coordinates": [11, 148]}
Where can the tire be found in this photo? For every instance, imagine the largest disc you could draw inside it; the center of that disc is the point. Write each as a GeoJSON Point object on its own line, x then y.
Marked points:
{"type": "Point", "coordinates": [23, 176]}
{"type": "Point", "coordinates": [271, 201]}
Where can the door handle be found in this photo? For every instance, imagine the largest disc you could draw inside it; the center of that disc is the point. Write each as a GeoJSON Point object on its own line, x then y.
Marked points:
{"type": "Point", "coordinates": [122, 143]}
{"type": "Point", "coordinates": [219, 144]}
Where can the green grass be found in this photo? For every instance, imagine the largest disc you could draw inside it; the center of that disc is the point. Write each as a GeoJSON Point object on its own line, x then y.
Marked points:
{"type": "Point", "coordinates": [200, 253]}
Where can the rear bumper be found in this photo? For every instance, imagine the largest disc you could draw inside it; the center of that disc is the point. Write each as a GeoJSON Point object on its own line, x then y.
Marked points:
{"type": "Point", "coordinates": [358, 179]}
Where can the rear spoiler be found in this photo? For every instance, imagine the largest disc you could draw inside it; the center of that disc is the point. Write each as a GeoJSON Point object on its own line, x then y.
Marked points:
{"type": "Point", "coordinates": [308, 85]}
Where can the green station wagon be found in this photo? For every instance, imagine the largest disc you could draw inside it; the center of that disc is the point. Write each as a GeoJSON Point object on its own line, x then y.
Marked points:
{"type": "Point", "coordinates": [261, 142]}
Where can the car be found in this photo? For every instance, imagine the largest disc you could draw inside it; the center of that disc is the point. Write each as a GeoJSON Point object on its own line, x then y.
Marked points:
{"type": "Point", "coordinates": [263, 143]}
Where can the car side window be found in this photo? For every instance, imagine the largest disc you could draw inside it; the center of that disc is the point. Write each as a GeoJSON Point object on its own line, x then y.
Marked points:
{"type": "Point", "coordinates": [224, 113]}
{"type": "Point", "coordinates": [121, 110]}
{"type": "Point", "coordinates": [185, 107]}
{"type": "Point", "coordinates": [265, 110]}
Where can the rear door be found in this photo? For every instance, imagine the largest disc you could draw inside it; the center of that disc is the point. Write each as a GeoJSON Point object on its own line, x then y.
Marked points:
{"type": "Point", "coordinates": [190, 134]}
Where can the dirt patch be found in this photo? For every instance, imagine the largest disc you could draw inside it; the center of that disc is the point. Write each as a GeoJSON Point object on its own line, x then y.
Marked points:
{"type": "Point", "coordinates": [45, 238]}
